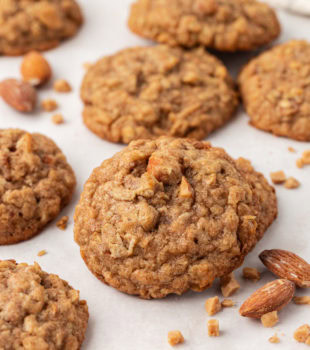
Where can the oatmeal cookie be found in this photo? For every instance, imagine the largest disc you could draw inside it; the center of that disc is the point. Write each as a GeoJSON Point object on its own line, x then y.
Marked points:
{"type": "Point", "coordinates": [36, 25]}
{"type": "Point", "coordinates": [39, 311]}
{"type": "Point", "coordinates": [225, 25]}
{"type": "Point", "coordinates": [275, 89]}
{"type": "Point", "coordinates": [145, 92]}
{"type": "Point", "coordinates": [36, 182]}
{"type": "Point", "coordinates": [167, 215]}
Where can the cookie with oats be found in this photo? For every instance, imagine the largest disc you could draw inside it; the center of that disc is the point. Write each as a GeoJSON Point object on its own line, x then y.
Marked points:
{"type": "Point", "coordinates": [275, 88]}
{"type": "Point", "coordinates": [146, 92]}
{"type": "Point", "coordinates": [39, 311]}
{"type": "Point", "coordinates": [168, 215]}
{"type": "Point", "coordinates": [225, 25]}
{"type": "Point", "coordinates": [36, 25]}
{"type": "Point", "coordinates": [36, 182]}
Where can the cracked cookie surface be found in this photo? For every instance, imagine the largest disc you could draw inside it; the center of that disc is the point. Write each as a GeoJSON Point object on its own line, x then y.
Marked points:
{"type": "Point", "coordinates": [36, 182]}
{"type": "Point", "coordinates": [167, 215]}
{"type": "Point", "coordinates": [275, 89]}
{"type": "Point", "coordinates": [146, 92]}
{"type": "Point", "coordinates": [225, 25]}
{"type": "Point", "coordinates": [39, 311]}
{"type": "Point", "coordinates": [27, 25]}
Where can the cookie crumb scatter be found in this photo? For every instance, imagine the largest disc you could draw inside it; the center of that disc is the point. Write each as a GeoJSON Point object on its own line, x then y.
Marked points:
{"type": "Point", "coordinates": [42, 252]}
{"type": "Point", "coordinates": [62, 223]}
{"type": "Point", "coordinates": [229, 285]}
{"type": "Point", "coordinates": [304, 300]}
{"type": "Point", "coordinates": [306, 157]}
{"type": "Point", "coordinates": [278, 177]}
{"type": "Point", "coordinates": [274, 339]}
{"type": "Point", "coordinates": [299, 163]}
{"type": "Point", "coordinates": [49, 105]}
{"type": "Point", "coordinates": [213, 306]}
{"type": "Point", "coordinates": [250, 273]}
{"type": "Point", "coordinates": [213, 328]}
{"type": "Point", "coordinates": [228, 303]}
{"type": "Point", "coordinates": [58, 119]}
{"type": "Point", "coordinates": [175, 337]}
{"type": "Point", "coordinates": [291, 149]}
{"type": "Point", "coordinates": [302, 334]}
{"type": "Point", "coordinates": [62, 85]}
{"type": "Point", "coordinates": [270, 319]}
{"type": "Point", "coordinates": [291, 183]}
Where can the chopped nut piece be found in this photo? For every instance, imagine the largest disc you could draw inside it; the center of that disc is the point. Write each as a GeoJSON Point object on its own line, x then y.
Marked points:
{"type": "Point", "coordinates": [291, 183]}
{"type": "Point", "coordinates": [291, 149]}
{"type": "Point", "coordinates": [57, 119]}
{"type": "Point", "coordinates": [35, 69]}
{"type": "Point", "coordinates": [213, 328]}
{"type": "Point", "coordinates": [274, 339]}
{"type": "Point", "coordinates": [62, 85]}
{"type": "Point", "coordinates": [62, 223]}
{"type": "Point", "coordinates": [42, 252]}
{"type": "Point", "coordinates": [278, 177]}
{"type": "Point", "coordinates": [186, 190]}
{"type": "Point", "coordinates": [228, 303]}
{"type": "Point", "coordinates": [305, 300]}
{"type": "Point", "coordinates": [270, 319]}
{"type": "Point", "coordinates": [299, 162]}
{"type": "Point", "coordinates": [49, 105]}
{"type": "Point", "coordinates": [306, 157]}
{"type": "Point", "coordinates": [213, 305]}
{"type": "Point", "coordinates": [302, 333]}
{"type": "Point", "coordinates": [250, 273]}
{"type": "Point", "coordinates": [229, 285]}
{"type": "Point", "coordinates": [175, 337]}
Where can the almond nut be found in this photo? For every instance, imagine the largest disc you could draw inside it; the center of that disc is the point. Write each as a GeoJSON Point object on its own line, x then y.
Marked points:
{"type": "Point", "coordinates": [18, 94]}
{"type": "Point", "coordinates": [287, 265]}
{"type": "Point", "coordinates": [273, 296]}
{"type": "Point", "coordinates": [35, 69]}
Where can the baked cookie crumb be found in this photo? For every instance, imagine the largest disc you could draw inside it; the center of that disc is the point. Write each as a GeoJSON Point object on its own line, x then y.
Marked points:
{"type": "Point", "coordinates": [270, 319]}
{"type": "Point", "coordinates": [62, 223]}
{"type": "Point", "coordinates": [278, 177]}
{"type": "Point", "coordinates": [304, 300]}
{"type": "Point", "coordinates": [306, 157]}
{"type": "Point", "coordinates": [291, 183]}
{"type": "Point", "coordinates": [49, 105]}
{"type": "Point", "coordinates": [213, 328]}
{"type": "Point", "coordinates": [302, 333]}
{"type": "Point", "coordinates": [42, 252]}
{"type": "Point", "coordinates": [250, 273]}
{"type": "Point", "coordinates": [229, 285]}
{"type": "Point", "coordinates": [213, 306]}
{"type": "Point", "coordinates": [175, 338]}
{"type": "Point", "coordinates": [274, 339]}
{"type": "Point", "coordinates": [58, 119]}
{"type": "Point", "coordinates": [62, 85]}
{"type": "Point", "coordinates": [291, 149]}
{"type": "Point", "coordinates": [228, 303]}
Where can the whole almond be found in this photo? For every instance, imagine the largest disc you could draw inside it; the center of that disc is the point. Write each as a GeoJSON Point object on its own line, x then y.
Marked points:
{"type": "Point", "coordinates": [287, 265]}
{"type": "Point", "coordinates": [35, 69]}
{"type": "Point", "coordinates": [18, 94]}
{"type": "Point", "coordinates": [273, 296]}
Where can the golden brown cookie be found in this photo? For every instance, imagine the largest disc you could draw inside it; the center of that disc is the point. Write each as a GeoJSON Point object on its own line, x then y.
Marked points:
{"type": "Point", "coordinates": [36, 25]}
{"type": "Point", "coordinates": [167, 215]}
{"type": "Point", "coordinates": [146, 92]}
{"type": "Point", "coordinates": [275, 88]}
{"type": "Point", "coordinates": [36, 182]}
{"type": "Point", "coordinates": [225, 25]}
{"type": "Point", "coordinates": [39, 311]}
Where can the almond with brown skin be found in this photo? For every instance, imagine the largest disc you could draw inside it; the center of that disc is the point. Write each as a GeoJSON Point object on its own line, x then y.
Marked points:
{"type": "Point", "coordinates": [273, 296]}
{"type": "Point", "coordinates": [287, 265]}
{"type": "Point", "coordinates": [18, 94]}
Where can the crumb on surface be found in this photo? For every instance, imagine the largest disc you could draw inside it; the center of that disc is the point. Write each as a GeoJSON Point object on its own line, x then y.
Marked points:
{"type": "Point", "coordinates": [62, 85]}
{"type": "Point", "coordinates": [175, 337]}
{"type": "Point", "coordinates": [302, 333]}
{"type": "Point", "coordinates": [278, 177]}
{"type": "Point", "coordinates": [213, 328]}
{"type": "Point", "coordinates": [291, 183]}
{"type": "Point", "coordinates": [58, 119]}
{"type": "Point", "coordinates": [304, 300]}
{"type": "Point", "coordinates": [228, 303]}
{"type": "Point", "coordinates": [42, 252]}
{"type": "Point", "coordinates": [270, 319]}
{"type": "Point", "coordinates": [250, 273]}
{"type": "Point", "coordinates": [213, 305]}
{"type": "Point", "coordinates": [229, 285]}
{"type": "Point", "coordinates": [291, 149]}
{"type": "Point", "coordinates": [274, 339]}
{"type": "Point", "coordinates": [62, 223]}
{"type": "Point", "coordinates": [299, 163]}
{"type": "Point", "coordinates": [49, 105]}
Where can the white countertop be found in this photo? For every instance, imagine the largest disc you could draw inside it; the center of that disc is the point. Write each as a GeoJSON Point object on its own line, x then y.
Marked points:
{"type": "Point", "coordinates": [118, 321]}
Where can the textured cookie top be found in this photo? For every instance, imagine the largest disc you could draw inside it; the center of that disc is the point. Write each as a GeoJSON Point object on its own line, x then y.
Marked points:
{"type": "Point", "coordinates": [27, 25]}
{"type": "Point", "coordinates": [145, 92]}
{"type": "Point", "coordinates": [225, 25]}
{"type": "Point", "coordinates": [275, 89]}
{"type": "Point", "coordinates": [169, 215]}
{"type": "Point", "coordinates": [36, 182]}
{"type": "Point", "coordinates": [39, 311]}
